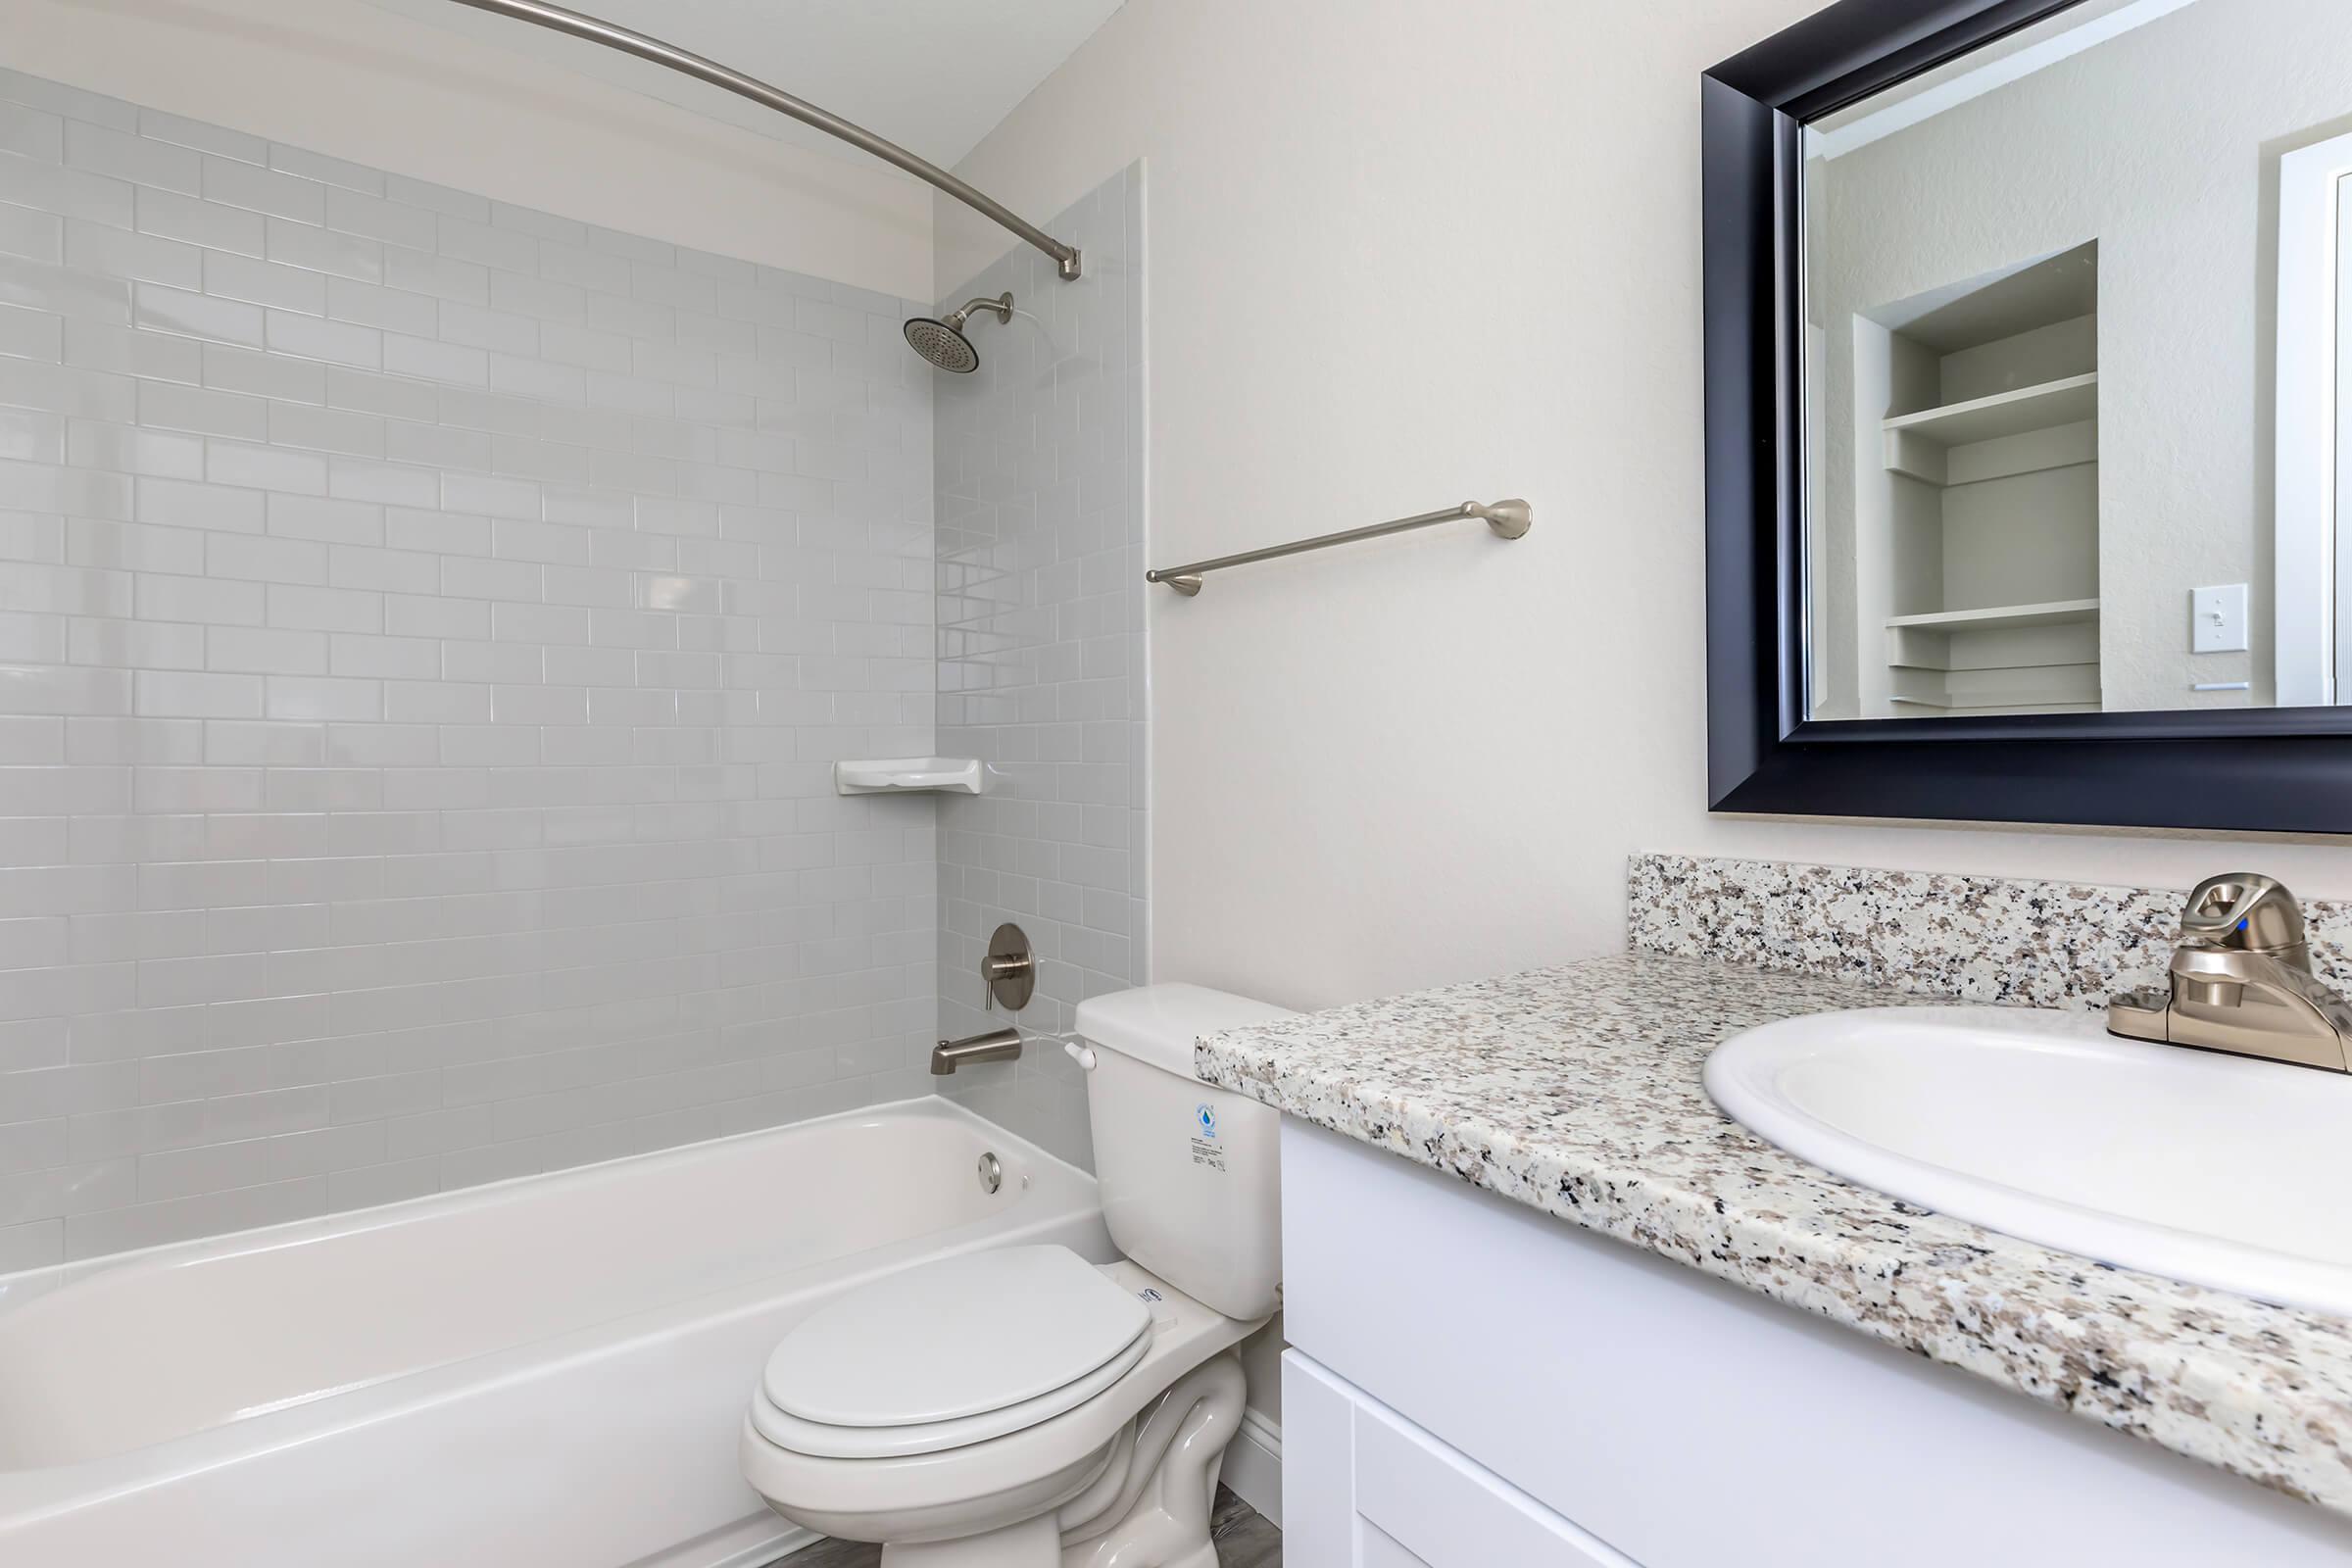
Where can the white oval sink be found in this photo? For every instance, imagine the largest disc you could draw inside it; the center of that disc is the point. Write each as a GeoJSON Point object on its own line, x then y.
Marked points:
{"type": "Point", "coordinates": [2220, 1170]}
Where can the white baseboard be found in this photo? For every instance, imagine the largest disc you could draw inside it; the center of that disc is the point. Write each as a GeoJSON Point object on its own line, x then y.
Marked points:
{"type": "Point", "coordinates": [763, 1548]}
{"type": "Point", "coordinates": [1254, 1466]}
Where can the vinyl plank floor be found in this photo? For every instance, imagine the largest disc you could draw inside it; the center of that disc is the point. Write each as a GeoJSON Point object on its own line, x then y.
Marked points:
{"type": "Point", "coordinates": [1244, 1539]}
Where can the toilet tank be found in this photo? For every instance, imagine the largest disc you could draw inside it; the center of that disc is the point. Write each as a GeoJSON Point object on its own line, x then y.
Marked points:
{"type": "Point", "coordinates": [1191, 1174]}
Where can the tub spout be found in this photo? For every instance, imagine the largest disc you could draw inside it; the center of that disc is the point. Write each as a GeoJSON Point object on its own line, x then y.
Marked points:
{"type": "Point", "coordinates": [998, 1045]}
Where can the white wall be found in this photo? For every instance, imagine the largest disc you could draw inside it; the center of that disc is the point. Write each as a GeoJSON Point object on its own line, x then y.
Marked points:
{"type": "Point", "coordinates": [351, 81]}
{"type": "Point", "coordinates": [1401, 253]}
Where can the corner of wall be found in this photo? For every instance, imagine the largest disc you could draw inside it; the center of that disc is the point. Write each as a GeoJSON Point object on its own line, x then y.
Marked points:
{"type": "Point", "coordinates": [1042, 663]}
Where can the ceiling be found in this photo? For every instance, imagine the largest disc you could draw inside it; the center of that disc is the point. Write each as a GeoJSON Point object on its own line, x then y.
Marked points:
{"type": "Point", "coordinates": [932, 76]}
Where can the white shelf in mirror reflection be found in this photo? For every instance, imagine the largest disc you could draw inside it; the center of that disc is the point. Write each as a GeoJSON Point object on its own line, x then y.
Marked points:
{"type": "Point", "coordinates": [2004, 617]}
{"type": "Point", "coordinates": [898, 775]}
{"type": "Point", "coordinates": [2021, 700]}
{"type": "Point", "coordinates": [2068, 400]}
{"type": "Point", "coordinates": [1997, 659]}
{"type": "Point", "coordinates": [2035, 451]}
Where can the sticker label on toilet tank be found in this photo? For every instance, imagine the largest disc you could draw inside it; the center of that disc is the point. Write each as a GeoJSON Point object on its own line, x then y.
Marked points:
{"type": "Point", "coordinates": [1207, 1151]}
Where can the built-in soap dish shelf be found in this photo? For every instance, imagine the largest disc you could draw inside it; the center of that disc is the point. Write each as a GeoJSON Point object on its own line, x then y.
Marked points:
{"type": "Point", "coordinates": [900, 775]}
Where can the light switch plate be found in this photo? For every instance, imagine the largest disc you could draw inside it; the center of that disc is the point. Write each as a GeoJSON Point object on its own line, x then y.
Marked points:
{"type": "Point", "coordinates": [2217, 618]}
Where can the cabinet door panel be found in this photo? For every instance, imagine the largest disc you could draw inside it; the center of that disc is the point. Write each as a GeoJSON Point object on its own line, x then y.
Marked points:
{"type": "Point", "coordinates": [1380, 1549]}
{"type": "Point", "coordinates": [1318, 1467]}
{"type": "Point", "coordinates": [1364, 1487]}
{"type": "Point", "coordinates": [1452, 1512]}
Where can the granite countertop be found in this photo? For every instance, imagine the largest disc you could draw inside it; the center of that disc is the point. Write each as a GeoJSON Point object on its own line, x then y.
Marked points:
{"type": "Point", "coordinates": [1576, 1091]}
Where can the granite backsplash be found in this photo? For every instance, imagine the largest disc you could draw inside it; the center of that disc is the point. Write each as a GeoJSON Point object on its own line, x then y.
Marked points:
{"type": "Point", "coordinates": [1989, 939]}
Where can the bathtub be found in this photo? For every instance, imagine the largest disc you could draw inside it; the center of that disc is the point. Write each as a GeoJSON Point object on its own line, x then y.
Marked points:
{"type": "Point", "coordinates": [545, 1371]}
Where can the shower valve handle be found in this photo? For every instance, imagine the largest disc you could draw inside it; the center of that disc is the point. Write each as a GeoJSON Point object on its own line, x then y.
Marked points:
{"type": "Point", "coordinates": [1008, 970]}
{"type": "Point", "coordinates": [997, 967]}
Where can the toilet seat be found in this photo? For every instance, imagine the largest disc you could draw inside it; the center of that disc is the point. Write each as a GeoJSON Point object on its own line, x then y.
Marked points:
{"type": "Point", "coordinates": [819, 1440]}
{"type": "Point", "coordinates": [918, 1496]}
{"type": "Point", "coordinates": [951, 1354]}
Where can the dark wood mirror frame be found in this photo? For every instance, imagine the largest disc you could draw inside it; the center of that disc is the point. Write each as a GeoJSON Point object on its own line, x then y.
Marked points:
{"type": "Point", "coordinates": [2277, 769]}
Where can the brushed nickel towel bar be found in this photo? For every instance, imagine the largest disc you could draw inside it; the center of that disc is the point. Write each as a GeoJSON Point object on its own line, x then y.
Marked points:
{"type": "Point", "coordinates": [1509, 518]}
{"type": "Point", "coordinates": [686, 63]}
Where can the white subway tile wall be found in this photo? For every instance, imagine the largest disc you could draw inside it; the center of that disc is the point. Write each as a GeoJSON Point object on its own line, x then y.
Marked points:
{"type": "Point", "coordinates": [1042, 654]}
{"type": "Point", "coordinates": [425, 630]}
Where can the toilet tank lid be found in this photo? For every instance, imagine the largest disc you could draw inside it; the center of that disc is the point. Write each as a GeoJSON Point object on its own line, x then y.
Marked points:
{"type": "Point", "coordinates": [1157, 1024]}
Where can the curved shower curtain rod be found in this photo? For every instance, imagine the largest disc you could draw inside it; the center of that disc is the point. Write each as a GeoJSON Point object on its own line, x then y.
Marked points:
{"type": "Point", "coordinates": [685, 62]}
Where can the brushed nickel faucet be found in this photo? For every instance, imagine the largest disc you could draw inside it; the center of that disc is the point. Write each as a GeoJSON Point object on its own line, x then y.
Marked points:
{"type": "Point", "coordinates": [997, 1045]}
{"type": "Point", "coordinates": [2240, 981]}
{"type": "Point", "coordinates": [1008, 974]}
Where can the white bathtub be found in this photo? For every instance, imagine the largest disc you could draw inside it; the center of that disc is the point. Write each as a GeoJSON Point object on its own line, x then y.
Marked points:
{"type": "Point", "coordinates": [548, 1371]}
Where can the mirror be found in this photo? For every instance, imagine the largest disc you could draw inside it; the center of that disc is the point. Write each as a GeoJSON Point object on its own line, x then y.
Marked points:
{"type": "Point", "coordinates": [2023, 327]}
{"type": "Point", "coordinates": [2070, 331]}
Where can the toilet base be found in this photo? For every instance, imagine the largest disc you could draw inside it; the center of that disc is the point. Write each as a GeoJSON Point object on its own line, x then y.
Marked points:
{"type": "Point", "coordinates": [1031, 1543]}
{"type": "Point", "coordinates": [1161, 1516]}
{"type": "Point", "coordinates": [1148, 1508]}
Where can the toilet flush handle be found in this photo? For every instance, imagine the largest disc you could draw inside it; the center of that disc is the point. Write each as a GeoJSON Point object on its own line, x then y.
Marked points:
{"type": "Point", "coordinates": [1083, 1055]}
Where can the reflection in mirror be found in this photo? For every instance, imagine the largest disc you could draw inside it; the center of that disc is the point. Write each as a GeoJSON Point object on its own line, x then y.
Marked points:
{"type": "Point", "coordinates": [2050, 289]}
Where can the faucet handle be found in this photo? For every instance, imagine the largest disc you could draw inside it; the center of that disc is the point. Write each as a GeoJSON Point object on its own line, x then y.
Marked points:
{"type": "Point", "coordinates": [1008, 970]}
{"type": "Point", "coordinates": [2245, 911]}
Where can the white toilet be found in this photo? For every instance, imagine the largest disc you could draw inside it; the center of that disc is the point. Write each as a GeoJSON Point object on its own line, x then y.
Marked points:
{"type": "Point", "coordinates": [1023, 1407]}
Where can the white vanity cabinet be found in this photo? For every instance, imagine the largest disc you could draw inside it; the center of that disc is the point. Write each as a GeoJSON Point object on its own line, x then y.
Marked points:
{"type": "Point", "coordinates": [1473, 1384]}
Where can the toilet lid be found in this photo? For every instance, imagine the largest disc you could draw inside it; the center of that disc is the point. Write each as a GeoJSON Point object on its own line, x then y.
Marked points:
{"type": "Point", "coordinates": [960, 1336]}
{"type": "Point", "coordinates": [817, 1440]}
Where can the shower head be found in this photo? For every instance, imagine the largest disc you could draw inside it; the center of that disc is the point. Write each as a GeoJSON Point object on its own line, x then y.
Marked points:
{"type": "Point", "coordinates": [943, 344]}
